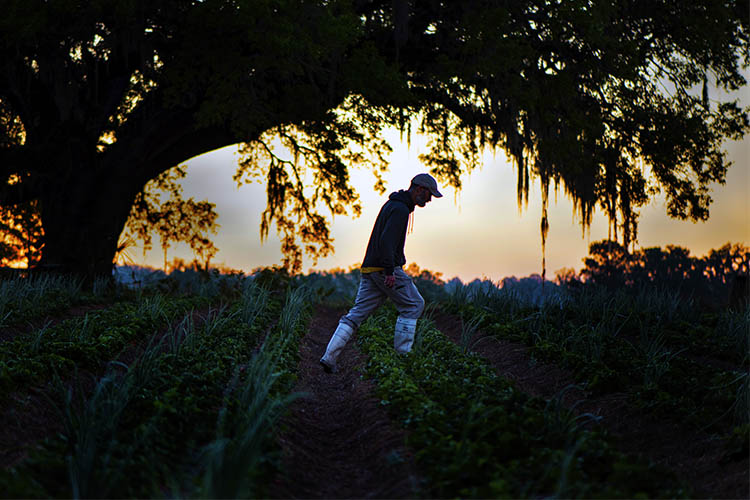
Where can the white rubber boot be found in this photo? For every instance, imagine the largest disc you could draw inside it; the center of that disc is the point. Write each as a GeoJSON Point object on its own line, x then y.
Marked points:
{"type": "Point", "coordinates": [403, 337]}
{"type": "Point", "coordinates": [339, 339]}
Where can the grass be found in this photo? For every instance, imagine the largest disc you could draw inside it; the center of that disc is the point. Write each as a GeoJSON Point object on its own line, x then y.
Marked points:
{"type": "Point", "coordinates": [18, 289]}
{"type": "Point", "coordinates": [656, 357]}
{"type": "Point", "coordinates": [146, 367]}
{"type": "Point", "coordinates": [180, 337]}
{"type": "Point", "coordinates": [656, 345]}
{"type": "Point", "coordinates": [469, 328]}
{"type": "Point", "coordinates": [88, 427]}
{"type": "Point", "coordinates": [38, 337]}
{"type": "Point", "coordinates": [734, 326]}
{"type": "Point", "coordinates": [292, 314]}
{"type": "Point", "coordinates": [741, 406]}
{"type": "Point", "coordinates": [560, 419]}
{"type": "Point", "coordinates": [83, 332]}
{"type": "Point", "coordinates": [86, 342]}
{"type": "Point", "coordinates": [589, 340]}
{"type": "Point", "coordinates": [253, 301]}
{"type": "Point", "coordinates": [233, 459]}
{"type": "Point", "coordinates": [217, 319]}
{"type": "Point", "coordinates": [23, 298]}
{"type": "Point", "coordinates": [152, 307]}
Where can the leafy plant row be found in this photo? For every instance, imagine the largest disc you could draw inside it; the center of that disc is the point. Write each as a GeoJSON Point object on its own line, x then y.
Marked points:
{"type": "Point", "coordinates": [23, 299]}
{"type": "Point", "coordinates": [192, 417]}
{"type": "Point", "coordinates": [476, 436]}
{"type": "Point", "coordinates": [653, 347]}
{"type": "Point", "coordinates": [26, 298]}
{"type": "Point", "coordinates": [85, 343]}
{"type": "Point", "coordinates": [717, 333]}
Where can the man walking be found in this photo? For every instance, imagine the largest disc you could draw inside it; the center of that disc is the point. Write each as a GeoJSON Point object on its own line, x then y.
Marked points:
{"type": "Point", "coordinates": [382, 275]}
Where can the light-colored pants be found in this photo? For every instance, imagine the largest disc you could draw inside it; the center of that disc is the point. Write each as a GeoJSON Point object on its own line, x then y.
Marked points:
{"type": "Point", "coordinates": [373, 292]}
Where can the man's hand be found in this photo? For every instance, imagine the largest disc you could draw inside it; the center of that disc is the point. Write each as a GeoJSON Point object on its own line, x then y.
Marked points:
{"type": "Point", "coordinates": [390, 280]}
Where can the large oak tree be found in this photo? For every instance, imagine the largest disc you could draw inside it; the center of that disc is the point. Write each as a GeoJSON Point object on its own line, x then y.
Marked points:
{"type": "Point", "coordinates": [608, 99]}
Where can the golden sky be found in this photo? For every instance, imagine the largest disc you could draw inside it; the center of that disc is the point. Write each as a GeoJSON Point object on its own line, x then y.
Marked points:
{"type": "Point", "coordinates": [477, 233]}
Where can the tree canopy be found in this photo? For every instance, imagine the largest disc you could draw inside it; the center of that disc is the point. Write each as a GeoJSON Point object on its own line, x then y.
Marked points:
{"type": "Point", "coordinates": [711, 278]}
{"type": "Point", "coordinates": [609, 100]}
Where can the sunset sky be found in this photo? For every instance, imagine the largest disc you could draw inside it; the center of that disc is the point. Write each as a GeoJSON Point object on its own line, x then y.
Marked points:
{"type": "Point", "coordinates": [478, 233]}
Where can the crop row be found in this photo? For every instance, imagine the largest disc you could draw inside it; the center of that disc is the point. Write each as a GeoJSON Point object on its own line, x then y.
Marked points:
{"type": "Point", "coordinates": [657, 354]}
{"type": "Point", "coordinates": [25, 299]}
{"type": "Point", "coordinates": [681, 321]}
{"type": "Point", "coordinates": [85, 343]}
{"type": "Point", "coordinates": [476, 436]}
{"type": "Point", "coordinates": [190, 417]}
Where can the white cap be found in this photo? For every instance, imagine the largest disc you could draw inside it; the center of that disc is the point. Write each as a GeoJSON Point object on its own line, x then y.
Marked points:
{"type": "Point", "coordinates": [428, 181]}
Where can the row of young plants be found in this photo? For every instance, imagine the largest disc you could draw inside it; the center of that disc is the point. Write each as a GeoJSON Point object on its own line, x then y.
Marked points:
{"type": "Point", "coordinates": [23, 299]}
{"type": "Point", "coordinates": [129, 315]}
{"type": "Point", "coordinates": [718, 333]}
{"type": "Point", "coordinates": [191, 417]}
{"type": "Point", "coordinates": [476, 436]}
{"type": "Point", "coordinates": [671, 358]}
{"type": "Point", "coordinates": [86, 342]}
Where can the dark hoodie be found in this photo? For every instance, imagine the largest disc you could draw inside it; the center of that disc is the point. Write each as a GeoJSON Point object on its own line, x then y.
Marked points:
{"type": "Point", "coordinates": [386, 246]}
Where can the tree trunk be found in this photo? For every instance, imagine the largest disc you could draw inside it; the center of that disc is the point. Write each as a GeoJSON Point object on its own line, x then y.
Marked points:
{"type": "Point", "coordinates": [86, 200]}
{"type": "Point", "coordinates": [82, 219]}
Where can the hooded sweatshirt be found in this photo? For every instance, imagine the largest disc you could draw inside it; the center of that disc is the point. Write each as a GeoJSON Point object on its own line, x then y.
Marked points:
{"type": "Point", "coordinates": [386, 246]}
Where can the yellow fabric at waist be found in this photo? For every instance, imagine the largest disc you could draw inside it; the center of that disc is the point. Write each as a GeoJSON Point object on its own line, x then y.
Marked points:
{"type": "Point", "coordinates": [368, 270]}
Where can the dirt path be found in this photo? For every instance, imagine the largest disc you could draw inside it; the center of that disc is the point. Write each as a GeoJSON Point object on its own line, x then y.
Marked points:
{"type": "Point", "coordinates": [339, 442]}
{"type": "Point", "coordinates": [697, 457]}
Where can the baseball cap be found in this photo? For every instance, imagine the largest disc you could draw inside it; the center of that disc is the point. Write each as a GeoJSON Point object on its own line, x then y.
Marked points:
{"type": "Point", "coordinates": [426, 180]}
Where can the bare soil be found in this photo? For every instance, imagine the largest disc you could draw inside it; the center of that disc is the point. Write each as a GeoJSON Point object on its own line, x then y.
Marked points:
{"type": "Point", "coordinates": [339, 442]}
{"type": "Point", "coordinates": [698, 458]}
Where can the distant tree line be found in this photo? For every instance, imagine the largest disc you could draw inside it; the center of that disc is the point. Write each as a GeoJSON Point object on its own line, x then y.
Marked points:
{"type": "Point", "coordinates": [719, 276]}
{"type": "Point", "coordinates": [718, 279]}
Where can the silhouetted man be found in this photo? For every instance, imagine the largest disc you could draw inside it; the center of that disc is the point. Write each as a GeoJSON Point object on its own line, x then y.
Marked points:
{"type": "Point", "coordinates": [382, 275]}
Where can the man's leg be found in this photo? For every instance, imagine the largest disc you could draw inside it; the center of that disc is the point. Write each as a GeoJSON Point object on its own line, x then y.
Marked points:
{"type": "Point", "coordinates": [369, 297]}
{"type": "Point", "coordinates": [410, 305]}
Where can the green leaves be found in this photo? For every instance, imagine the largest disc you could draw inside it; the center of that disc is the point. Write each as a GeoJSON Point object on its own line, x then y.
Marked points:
{"type": "Point", "coordinates": [26, 298]}
{"type": "Point", "coordinates": [476, 436]}
{"type": "Point", "coordinates": [651, 342]}
{"type": "Point", "coordinates": [234, 459]}
{"type": "Point", "coordinates": [85, 342]}
{"type": "Point", "coordinates": [193, 413]}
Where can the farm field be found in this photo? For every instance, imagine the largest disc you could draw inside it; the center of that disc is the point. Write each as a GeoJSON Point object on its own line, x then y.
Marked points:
{"type": "Point", "coordinates": [204, 385]}
{"type": "Point", "coordinates": [164, 134]}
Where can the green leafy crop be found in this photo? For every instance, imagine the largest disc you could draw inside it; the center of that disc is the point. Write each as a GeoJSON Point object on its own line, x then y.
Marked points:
{"type": "Point", "coordinates": [476, 436]}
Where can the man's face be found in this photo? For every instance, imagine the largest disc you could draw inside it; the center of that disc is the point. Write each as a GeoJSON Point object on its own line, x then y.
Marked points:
{"type": "Point", "coordinates": [423, 196]}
